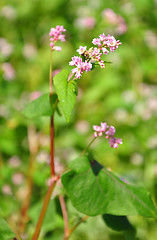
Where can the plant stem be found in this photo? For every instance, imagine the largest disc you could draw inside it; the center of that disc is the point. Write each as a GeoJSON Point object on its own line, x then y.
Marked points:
{"type": "Point", "coordinates": [44, 209]}
{"type": "Point", "coordinates": [33, 148]}
{"type": "Point", "coordinates": [65, 217]}
{"type": "Point", "coordinates": [50, 73]}
{"type": "Point", "coordinates": [52, 146]}
{"type": "Point", "coordinates": [84, 151]}
{"type": "Point", "coordinates": [51, 123]}
{"type": "Point", "coordinates": [77, 224]}
{"type": "Point", "coordinates": [54, 177]}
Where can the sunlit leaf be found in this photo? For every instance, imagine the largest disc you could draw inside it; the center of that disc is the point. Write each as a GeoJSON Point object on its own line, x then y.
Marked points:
{"type": "Point", "coordinates": [94, 190]}
{"type": "Point", "coordinates": [67, 92]}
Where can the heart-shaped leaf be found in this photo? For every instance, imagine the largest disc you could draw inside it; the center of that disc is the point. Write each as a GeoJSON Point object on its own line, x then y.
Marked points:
{"type": "Point", "coordinates": [5, 231]}
{"type": "Point", "coordinates": [42, 106]}
{"type": "Point", "coordinates": [67, 92]}
{"type": "Point", "coordinates": [94, 190]}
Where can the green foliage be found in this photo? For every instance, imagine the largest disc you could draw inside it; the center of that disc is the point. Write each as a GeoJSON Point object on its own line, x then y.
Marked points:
{"type": "Point", "coordinates": [123, 94]}
{"type": "Point", "coordinates": [94, 190]}
{"type": "Point", "coordinates": [52, 219]}
{"type": "Point", "coordinates": [120, 223]}
{"type": "Point", "coordinates": [5, 232]}
{"type": "Point", "coordinates": [67, 92]}
{"type": "Point", "coordinates": [42, 106]}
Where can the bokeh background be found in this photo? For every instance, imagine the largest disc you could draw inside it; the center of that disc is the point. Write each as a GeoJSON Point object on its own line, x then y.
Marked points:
{"type": "Point", "coordinates": [124, 95]}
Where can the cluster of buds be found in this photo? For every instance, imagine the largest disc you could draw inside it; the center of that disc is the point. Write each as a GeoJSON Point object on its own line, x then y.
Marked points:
{"type": "Point", "coordinates": [93, 55]}
{"type": "Point", "coordinates": [109, 132]}
{"type": "Point", "coordinates": [55, 35]}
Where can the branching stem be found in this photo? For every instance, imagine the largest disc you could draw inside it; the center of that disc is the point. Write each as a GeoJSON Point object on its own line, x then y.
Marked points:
{"type": "Point", "coordinates": [77, 224]}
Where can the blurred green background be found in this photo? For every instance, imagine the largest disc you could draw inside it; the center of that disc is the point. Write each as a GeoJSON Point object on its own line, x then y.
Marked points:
{"type": "Point", "coordinates": [124, 95]}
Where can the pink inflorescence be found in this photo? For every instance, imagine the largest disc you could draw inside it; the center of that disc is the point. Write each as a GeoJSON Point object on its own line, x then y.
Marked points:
{"type": "Point", "coordinates": [55, 35]}
{"type": "Point", "coordinates": [109, 132]}
{"type": "Point", "coordinates": [105, 44]}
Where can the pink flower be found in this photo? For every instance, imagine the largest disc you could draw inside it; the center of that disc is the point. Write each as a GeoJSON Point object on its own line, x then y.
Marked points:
{"type": "Point", "coordinates": [105, 51]}
{"type": "Point", "coordinates": [85, 23]}
{"type": "Point", "coordinates": [101, 63]}
{"type": "Point", "coordinates": [80, 66]}
{"type": "Point", "coordinates": [97, 41]}
{"type": "Point", "coordinates": [103, 127]}
{"type": "Point", "coordinates": [81, 50]}
{"type": "Point", "coordinates": [92, 56]}
{"type": "Point", "coordinates": [78, 72]}
{"type": "Point", "coordinates": [95, 52]}
{"type": "Point", "coordinates": [61, 38]}
{"type": "Point", "coordinates": [55, 35]}
{"type": "Point", "coordinates": [100, 130]}
{"type": "Point", "coordinates": [97, 128]}
{"type": "Point", "coordinates": [116, 20]}
{"type": "Point", "coordinates": [57, 48]}
{"type": "Point", "coordinates": [89, 22]}
{"type": "Point", "coordinates": [8, 71]}
{"type": "Point", "coordinates": [110, 132]}
{"type": "Point", "coordinates": [114, 142]}
{"type": "Point", "coordinates": [110, 15]}
{"type": "Point", "coordinates": [87, 66]}
{"type": "Point", "coordinates": [75, 61]}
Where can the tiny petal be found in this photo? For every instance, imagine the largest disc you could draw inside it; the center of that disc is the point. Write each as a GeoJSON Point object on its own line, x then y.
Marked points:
{"type": "Point", "coordinates": [51, 44]}
{"type": "Point", "coordinates": [105, 51]}
{"type": "Point", "coordinates": [96, 128]}
{"type": "Point", "coordinates": [57, 48]}
{"type": "Point", "coordinates": [81, 49]}
{"type": "Point", "coordinates": [100, 134]}
{"type": "Point", "coordinates": [95, 134]}
{"type": "Point", "coordinates": [103, 126]}
{"type": "Point", "coordinates": [111, 131]}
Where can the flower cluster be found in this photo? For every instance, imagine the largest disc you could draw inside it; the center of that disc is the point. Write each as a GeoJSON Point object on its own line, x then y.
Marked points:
{"type": "Point", "coordinates": [93, 55]}
{"type": "Point", "coordinates": [80, 66]}
{"type": "Point", "coordinates": [105, 42]}
{"type": "Point", "coordinates": [109, 132]}
{"type": "Point", "coordinates": [55, 35]}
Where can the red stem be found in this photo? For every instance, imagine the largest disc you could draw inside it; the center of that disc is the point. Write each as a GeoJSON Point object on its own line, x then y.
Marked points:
{"type": "Point", "coordinates": [43, 211]}
{"type": "Point", "coordinates": [65, 217]}
{"type": "Point", "coordinates": [52, 147]}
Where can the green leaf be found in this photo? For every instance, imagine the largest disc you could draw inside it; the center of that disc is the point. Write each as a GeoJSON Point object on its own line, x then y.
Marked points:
{"type": "Point", "coordinates": [5, 231]}
{"type": "Point", "coordinates": [94, 190]}
{"type": "Point", "coordinates": [67, 92]}
{"type": "Point", "coordinates": [52, 220]}
{"type": "Point", "coordinates": [42, 106]}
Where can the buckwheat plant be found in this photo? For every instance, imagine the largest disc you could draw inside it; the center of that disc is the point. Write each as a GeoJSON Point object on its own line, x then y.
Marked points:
{"type": "Point", "coordinates": [92, 188]}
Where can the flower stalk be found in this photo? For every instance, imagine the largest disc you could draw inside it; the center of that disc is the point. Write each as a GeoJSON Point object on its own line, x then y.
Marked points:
{"type": "Point", "coordinates": [44, 209]}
